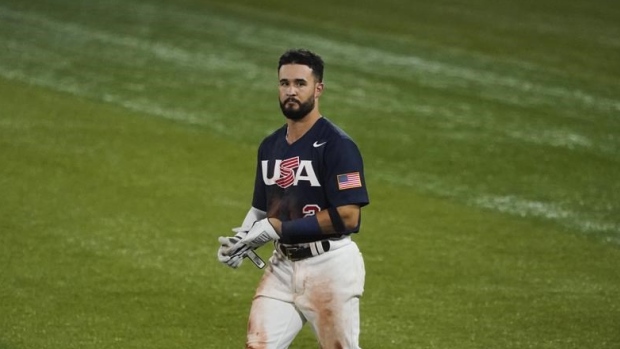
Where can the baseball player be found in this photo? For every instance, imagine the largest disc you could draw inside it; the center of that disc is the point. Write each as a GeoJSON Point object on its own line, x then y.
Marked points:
{"type": "Point", "coordinates": [308, 194]}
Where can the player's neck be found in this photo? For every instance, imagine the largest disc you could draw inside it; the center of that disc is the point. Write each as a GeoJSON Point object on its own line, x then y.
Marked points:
{"type": "Point", "coordinates": [297, 128]}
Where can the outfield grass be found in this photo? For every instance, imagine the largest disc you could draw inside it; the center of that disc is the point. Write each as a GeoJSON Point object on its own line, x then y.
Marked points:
{"type": "Point", "coordinates": [490, 132]}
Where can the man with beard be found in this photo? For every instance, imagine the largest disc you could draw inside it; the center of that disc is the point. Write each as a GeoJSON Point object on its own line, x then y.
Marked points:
{"type": "Point", "coordinates": [308, 193]}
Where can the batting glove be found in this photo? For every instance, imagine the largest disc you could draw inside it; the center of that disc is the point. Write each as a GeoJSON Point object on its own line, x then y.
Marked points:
{"type": "Point", "coordinates": [229, 252]}
{"type": "Point", "coordinates": [261, 232]}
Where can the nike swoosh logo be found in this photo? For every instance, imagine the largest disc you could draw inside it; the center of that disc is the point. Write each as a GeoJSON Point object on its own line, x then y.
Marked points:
{"type": "Point", "coordinates": [316, 144]}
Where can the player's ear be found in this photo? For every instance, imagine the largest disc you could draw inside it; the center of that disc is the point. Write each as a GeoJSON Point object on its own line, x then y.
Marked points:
{"type": "Point", "coordinates": [318, 89]}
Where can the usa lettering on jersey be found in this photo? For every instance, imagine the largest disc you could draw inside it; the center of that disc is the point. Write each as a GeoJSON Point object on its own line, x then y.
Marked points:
{"type": "Point", "coordinates": [289, 172]}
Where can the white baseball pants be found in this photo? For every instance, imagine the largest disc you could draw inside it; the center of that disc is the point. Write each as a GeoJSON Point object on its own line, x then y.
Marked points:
{"type": "Point", "coordinates": [323, 290]}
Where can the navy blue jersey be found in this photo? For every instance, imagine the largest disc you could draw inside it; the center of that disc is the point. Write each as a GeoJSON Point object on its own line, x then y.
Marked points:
{"type": "Point", "coordinates": [320, 170]}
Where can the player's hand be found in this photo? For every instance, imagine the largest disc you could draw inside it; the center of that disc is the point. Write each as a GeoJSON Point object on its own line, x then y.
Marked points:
{"type": "Point", "coordinates": [261, 232]}
{"type": "Point", "coordinates": [230, 254]}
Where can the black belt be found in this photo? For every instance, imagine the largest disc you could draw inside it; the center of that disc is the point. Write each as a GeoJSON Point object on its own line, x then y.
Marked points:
{"type": "Point", "coordinates": [307, 250]}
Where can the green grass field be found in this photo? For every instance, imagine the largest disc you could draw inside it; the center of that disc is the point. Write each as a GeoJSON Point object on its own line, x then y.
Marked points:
{"type": "Point", "coordinates": [490, 132]}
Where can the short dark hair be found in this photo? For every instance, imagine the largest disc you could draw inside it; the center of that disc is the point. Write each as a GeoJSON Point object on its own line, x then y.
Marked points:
{"type": "Point", "coordinates": [304, 57]}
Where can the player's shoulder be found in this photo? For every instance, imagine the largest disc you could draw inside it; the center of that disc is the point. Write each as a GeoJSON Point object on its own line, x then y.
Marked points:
{"type": "Point", "coordinates": [274, 136]}
{"type": "Point", "coordinates": [332, 132]}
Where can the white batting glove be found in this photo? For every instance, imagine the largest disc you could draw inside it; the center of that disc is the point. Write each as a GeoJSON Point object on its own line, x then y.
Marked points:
{"type": "Point", "coordinates": [230, 254]}
{"type": "Point", "coordinates": [261, 232]}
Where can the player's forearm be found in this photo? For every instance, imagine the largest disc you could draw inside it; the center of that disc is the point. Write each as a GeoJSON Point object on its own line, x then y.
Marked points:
{"type": "Point", "coordinates": [322, 223]}
{"type": "Point", "coordinates": [350, 216]}
{"type": "Point", "coordinates": [277, 225]}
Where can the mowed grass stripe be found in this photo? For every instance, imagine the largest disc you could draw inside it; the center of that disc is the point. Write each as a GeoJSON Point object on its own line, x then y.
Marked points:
{"type": "Point", "coordinates": [105, 62]}
{"type": "Point", "coordinates": [368, 59]}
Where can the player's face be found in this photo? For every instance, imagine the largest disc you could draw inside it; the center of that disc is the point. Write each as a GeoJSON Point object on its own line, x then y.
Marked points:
{"type": "Point", "coordinates": [299, 90]}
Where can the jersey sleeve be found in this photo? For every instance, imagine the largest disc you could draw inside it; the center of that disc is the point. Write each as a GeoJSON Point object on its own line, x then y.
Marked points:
{"type": "Point", "coordinates": [259, 199]}
{"type": "Point", "coordinates": [344, 176]}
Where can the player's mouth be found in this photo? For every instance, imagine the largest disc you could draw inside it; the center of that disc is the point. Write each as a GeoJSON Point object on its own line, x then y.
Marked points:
{"type": "Point", "coordinates": [291, 100]}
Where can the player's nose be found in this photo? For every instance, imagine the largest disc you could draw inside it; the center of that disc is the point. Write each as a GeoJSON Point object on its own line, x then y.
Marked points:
{"type": "Point", "coordinates": [291, 91]}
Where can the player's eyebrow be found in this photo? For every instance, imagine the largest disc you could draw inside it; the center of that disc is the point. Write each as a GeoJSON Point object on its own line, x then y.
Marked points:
{"type": "Point", "coordinates": [294, 80]}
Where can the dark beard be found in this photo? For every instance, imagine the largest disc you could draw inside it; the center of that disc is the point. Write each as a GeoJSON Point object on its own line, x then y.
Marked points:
{"type": "Point", "coordinates": [297, 114]}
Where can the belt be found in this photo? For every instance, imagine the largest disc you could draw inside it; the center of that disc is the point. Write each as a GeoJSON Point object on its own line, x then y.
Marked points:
{"type": "Point", "coordinates": [302, 251]}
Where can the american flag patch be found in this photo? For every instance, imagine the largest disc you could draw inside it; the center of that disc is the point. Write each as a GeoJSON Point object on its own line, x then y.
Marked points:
{"type": "Point", "coordinates": [349, 180]}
